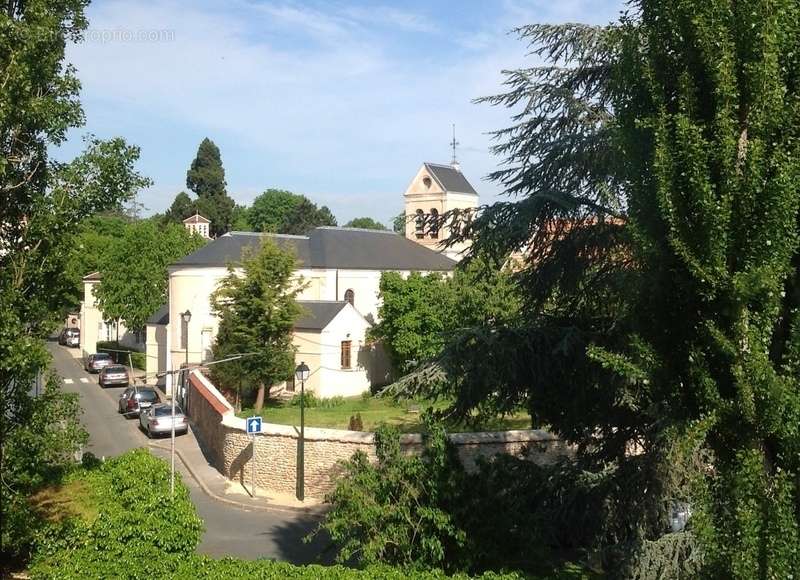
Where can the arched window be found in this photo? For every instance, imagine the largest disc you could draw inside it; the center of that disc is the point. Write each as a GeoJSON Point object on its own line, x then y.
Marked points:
{"type": "Point", "coordinates": [419, 224]}
{"type": "Point", "coordinates": [350, 297]}
{"type": "Point", "coordinates": [434, 219]}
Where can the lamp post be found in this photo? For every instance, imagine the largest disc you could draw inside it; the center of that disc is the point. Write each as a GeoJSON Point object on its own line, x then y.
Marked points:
{"type": "Point", "coordinates": [186, 317]}
{"type": "Point", "coordinates": [301, 374]}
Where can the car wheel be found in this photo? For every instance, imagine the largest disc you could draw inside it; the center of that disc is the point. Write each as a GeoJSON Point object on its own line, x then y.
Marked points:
{"type": "Point", "coordinates": [149, 433]}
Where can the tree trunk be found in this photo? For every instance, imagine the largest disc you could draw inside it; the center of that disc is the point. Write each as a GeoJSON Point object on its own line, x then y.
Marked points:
{"type": "Point", "coordinates": [260, 397]}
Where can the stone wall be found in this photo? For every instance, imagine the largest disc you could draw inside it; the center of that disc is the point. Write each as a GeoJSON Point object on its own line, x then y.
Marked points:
{"type": "Point", "coordinates": [228, 447]}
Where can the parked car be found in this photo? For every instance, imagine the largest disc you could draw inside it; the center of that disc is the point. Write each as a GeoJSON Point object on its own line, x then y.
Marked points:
{"type": "Point", "coordinates": [97, 362]}
{"type": "Point", "coordinates": [70, 337]}
{"type": "Point", "coordinates": [136, 398]}
{"type": "Point", "coordinates": [114, 375]}
{"type": "Point", "coordinates": [158, 419]}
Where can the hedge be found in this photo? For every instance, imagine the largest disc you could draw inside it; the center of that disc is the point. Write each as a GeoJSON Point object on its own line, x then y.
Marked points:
{"type": "Point", "coordinates": [138, 359]}
{"type": "Point", "coordinates": [140, 532]}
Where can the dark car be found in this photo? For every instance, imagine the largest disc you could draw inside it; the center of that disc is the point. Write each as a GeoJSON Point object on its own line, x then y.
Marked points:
{"type": "Point", "coordinates": [114, 375]}
{"type": "Point", "coordinates": [97, 362]}
{"type": "Point", "coordinates": [135, 398]}
{"type": "Point", "coordinates": [70, 337]}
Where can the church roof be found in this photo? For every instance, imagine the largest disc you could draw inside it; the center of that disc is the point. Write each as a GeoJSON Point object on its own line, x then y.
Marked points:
{"type": "Point", "coordinates": [196, 219]}
{"type": "Point", "coordinates": [328, 247]}
{"type": "Point", "coordinates": [450, 178]}
{"type": "Point", "coordinates": [318, 313]}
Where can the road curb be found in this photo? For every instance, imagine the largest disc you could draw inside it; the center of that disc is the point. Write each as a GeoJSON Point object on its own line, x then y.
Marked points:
{"type": "Point", "coordinates": [309, 510]}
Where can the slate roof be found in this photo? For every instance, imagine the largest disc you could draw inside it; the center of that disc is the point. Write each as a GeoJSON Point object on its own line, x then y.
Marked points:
{"type": "Point", "coordinates": [450, 178]}
{"type": "Point", "coordinates": [160, 316]}
{"type": "Point", "coordinates": [318, 313]}
{"type": "Point", "coordinates": [329, 247]}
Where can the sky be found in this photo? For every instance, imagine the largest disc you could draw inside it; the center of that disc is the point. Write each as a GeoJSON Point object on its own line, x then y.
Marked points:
{"type": "Point", "coordinates": [339, 100]}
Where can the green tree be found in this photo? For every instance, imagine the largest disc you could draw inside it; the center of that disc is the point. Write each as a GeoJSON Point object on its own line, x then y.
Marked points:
{"type": "Point", "coordinates": [41, 204]}
{"type": "Point", "coordinates": [182, 207]}
{"type": "Point", "coordinates": [366, 223]}
{"type": "Point", "coordinates": [240, 219]}
{"type": "Point", "coordinates": [257, 311]}
{"type": "Point", "coordinates": [283, 212]}
{"type": "Point", "coordinates": [206, 177]}
{"type": "Point", "coordinates": [134, 273]}
{"type": "Point", "coordinates": [399, 224]}
{"type": "Point", "coordinates": [657, 163]}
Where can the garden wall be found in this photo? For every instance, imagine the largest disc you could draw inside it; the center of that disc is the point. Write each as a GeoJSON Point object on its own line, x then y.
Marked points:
{"type": "Point", "coordinates": [229, 448]}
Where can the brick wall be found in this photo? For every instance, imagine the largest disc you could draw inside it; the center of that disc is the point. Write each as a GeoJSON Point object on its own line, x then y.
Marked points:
{"type": "Point", "coordinates": [228, 447]}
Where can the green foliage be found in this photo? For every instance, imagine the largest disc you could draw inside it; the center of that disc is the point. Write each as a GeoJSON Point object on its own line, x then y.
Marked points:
{"type": "Point", "coordinates": [331, 402]}
{"type": "Point", "coordinates": [138, 526]}
{"type": "Point", "coordinates": [399, 224]}
{"type": "Point", "coordinates": [182, 207]}
{"type": "Point", "coordinates": [257, 311]}
{"type": "Point", "coordinates": [206, 177]}
{"type": "Point", "coordinates": [37, 451]}
{"type": "Point", "coordinates": [138, 359]}
{"type": "Point", "coordinates": [308, 399]}
{"type": "Point", "coordinates": [134, 273]}
{"type": "Point", "coordinates": [42, 203]}
{"type": "Point", "coordinates": [390, 512]}
{"type": "Point", "coordinates": [284, 212]}
{"type": "Point", "coordinates": [366, 223]}
{"type": "Point", "coordinates": [240, 219]}
{"type": "Point", "coordinates": [420, 313]}
{"type": "Point", "coordinates": [655, 161]}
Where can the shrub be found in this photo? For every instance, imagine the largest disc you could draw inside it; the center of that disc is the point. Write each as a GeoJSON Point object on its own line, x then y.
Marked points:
{"type": "Point", "coordinates": [309, 400]}
{"type": "Point", "coordinates": [137, 359]}
{"type": "Point", "coordinates": [331, 402]}
{"type": "Point", "coordinates": [356, 424]}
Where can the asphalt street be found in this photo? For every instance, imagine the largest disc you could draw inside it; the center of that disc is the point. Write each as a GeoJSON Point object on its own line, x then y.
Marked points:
{"type": "Point", "coordinates": [230, 530]}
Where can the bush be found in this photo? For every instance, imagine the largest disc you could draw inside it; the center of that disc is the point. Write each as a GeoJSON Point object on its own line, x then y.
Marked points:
{"type": "Point", "coordinates": [331, 402]}
{"type": "Point", "coordinates": [309, 400]}
{"type": "Point", "coordinates": [137, 359]}
{"type": "Point", "coordinates": [356, 424]}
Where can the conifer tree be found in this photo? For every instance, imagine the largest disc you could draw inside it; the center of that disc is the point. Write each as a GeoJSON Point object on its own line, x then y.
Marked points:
{"type": "Point", "coordinates": [656, 164]}
{"type": "Point", "coordinates": [206, 178]}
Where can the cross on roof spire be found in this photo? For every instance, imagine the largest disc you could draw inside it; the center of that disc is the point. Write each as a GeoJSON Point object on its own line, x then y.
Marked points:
{"type": "Point", "coordinates": [454, 144]}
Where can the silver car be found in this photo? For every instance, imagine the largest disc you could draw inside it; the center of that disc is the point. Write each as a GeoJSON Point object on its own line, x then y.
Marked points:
{"type": "Point", "coordinates": [114, 376]}
{"type": "Point", "coordinates": [158, 420]}
{"type": "Point", "coordinates": [97, 362]}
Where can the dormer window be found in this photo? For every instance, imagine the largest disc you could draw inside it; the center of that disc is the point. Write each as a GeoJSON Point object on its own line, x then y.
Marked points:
{"type": "Point", "coordinates": [419, 224]}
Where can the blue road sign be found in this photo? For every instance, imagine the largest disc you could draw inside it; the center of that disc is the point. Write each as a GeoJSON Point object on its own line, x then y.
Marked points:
{"type": "Point", "coordinates": [253, 425]}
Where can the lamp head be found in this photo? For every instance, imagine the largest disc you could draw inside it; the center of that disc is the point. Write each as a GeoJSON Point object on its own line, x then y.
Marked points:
{"type": "Point", "coordinates": [186, 316]}
{"type": "Point", "coordinates": [302, 371]}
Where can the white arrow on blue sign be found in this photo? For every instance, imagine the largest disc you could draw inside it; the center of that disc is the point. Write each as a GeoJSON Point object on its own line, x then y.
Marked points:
{"type": "Point", "coordinates": [253, 425]}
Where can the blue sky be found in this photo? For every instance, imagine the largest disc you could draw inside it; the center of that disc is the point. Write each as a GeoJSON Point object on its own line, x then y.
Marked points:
{"type": "Point", "coordinates": [341, 101]}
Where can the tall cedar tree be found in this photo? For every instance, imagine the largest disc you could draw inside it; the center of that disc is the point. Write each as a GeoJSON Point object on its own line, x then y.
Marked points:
{"type": "Point", "coordinates": [206, 177]}
{"type": "Point", "coordinates": [656, 165]}
{"type": "Point", "coordinates": [257, 309]}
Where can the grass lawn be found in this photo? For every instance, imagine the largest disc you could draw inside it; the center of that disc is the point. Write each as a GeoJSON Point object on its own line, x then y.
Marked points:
{"type": "Point", "coordinates": [405, 415]}
{"type": "Point", "coordinates": [58, 502]}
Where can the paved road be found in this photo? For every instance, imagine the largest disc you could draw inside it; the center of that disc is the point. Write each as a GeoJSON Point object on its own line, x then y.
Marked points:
{"type": "Point", "coordinates": [230, 531]}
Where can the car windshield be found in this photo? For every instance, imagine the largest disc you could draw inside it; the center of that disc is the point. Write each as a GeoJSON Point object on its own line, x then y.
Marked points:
{"type": "Point", "coordinates": [166, 411]}
{"type": "Point", "coordinates": [115, 370]}
{"type": "Point", "coordinates": [102, 356]}
{"type": "Point", "coordinates": [148, 395]}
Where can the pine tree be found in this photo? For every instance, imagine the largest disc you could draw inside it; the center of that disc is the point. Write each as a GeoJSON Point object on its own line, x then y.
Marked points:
{"type": "Point", "coordinates": [656, 164]}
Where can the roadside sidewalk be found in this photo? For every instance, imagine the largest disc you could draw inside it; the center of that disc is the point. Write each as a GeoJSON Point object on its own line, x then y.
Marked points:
{"type": "Point", "coordinates": [218, 487]}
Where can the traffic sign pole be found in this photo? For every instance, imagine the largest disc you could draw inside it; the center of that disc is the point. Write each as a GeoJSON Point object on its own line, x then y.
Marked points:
{"type": "Point", "coordinates": [254, 465]}
{"type": "Point", "coordinates": [254, 427]}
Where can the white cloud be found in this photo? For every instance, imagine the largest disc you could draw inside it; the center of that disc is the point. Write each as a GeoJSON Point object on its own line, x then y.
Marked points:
{"type": "Point", "coordinates": [303, 98]}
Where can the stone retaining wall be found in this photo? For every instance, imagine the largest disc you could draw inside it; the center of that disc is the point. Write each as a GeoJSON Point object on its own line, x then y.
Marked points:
{"type": "Point", "coordinates": [228, 447]}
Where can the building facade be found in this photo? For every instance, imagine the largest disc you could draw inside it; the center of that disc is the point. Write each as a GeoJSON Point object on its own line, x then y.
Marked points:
{"type": "Point", "coordinates": [435, 190]}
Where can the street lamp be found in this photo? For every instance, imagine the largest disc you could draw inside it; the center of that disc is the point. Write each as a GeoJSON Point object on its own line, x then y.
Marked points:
{"type": "Point", "coordinates": [301, 374]}
{"type": "Point", "coordinates": [186, 316]}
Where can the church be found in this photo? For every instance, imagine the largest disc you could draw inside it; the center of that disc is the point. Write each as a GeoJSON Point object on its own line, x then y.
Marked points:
{"type": "Point", "coordinates": [340, 270]}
